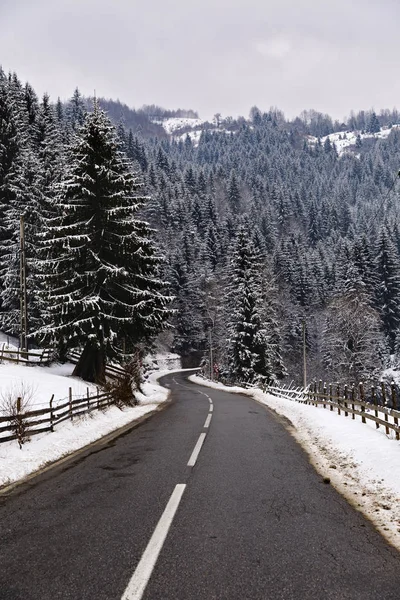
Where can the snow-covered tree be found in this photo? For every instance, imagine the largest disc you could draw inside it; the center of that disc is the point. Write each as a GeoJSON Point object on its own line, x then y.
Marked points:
{"type": "Point", "coordinates": [388, 292]}
{"type": "Point", "coordinates": [353, 344]}
{"type": "Point", "coordinates": [252, 351]}
{"type": "Point", "coordinates": [104, 289]}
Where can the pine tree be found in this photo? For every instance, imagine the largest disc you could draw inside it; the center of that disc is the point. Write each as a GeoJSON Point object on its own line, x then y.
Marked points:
{"type": "Point", "coordinates": [250, 353]}
{"type": "Point", "coordinates": [234, 197]}
{"type": "Point", "coordinates": [15, 177]}
{"type": "Point", "coordinates": [373, 124]}
{"type": "Point", "coordinates": [76, 110]}
{"type": "Point", "coordinates": [189, 338]}
{"type": "Point", "coordinates": [105, 291]}
{"type": "Point", "coordinates": [352, 338]}
{"type": "Point", "coordinates": [388, 292]}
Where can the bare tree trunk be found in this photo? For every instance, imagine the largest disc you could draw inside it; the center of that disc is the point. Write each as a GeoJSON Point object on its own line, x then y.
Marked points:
{"type": "Point", "coordinates": [91, 365]}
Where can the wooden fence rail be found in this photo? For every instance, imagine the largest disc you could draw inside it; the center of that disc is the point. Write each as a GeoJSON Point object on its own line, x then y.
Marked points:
{"type": "Point", "coordinates": [32, 422]}
{"type": "Point", "coordinates": [19, 356]}
{"type": "Point", "coordinates": [380, 403]}
{"type": "Point", "coordinates": [40, 357]}
{"type": "Point", "coordinates": [26, 424]}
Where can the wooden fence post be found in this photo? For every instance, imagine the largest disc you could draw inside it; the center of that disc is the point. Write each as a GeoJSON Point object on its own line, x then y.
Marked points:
{"type": "Point", "coordinates": [330, 396]}
{"type": "Point", "coordinates": [319, 390]}
{"type": "Point", "coordinates": [70, 403]}
{"type": "Point", "coordinates": [88, 398]}
{"type": "Point", "coordinates": [324, 392]}
{"type": "Point", "coordinates": [338, 398]}
{"type": "Point", "coordinates": [98, 399]}
{"type": "Point", "coordinates": [353, 396]}
{"type": "Point", "coordinates": [362, 399]}
{"type": "Point", "coordinates": [375, 402]}
{"type": "Point", "coordinates": [51, 413]}
{"type": "Point", "coordinates": [19, 424]}
{"type": "Point", "coordinates": [2, 352]}
{"type": "Point", "coordinates": [385, 405]}
{"type": "Point", "coordinates": [394, 406]}
{"type": "Point", "coordinates": [346, 414]}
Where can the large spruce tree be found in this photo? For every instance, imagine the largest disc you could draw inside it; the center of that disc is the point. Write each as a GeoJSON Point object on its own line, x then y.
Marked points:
{"type": "Point", "coordinates": [252, 348]}
{"type": "Point", "coordinates": [104, 289]}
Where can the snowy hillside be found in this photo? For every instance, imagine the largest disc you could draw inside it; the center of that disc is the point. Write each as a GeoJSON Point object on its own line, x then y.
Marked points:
{"type": "Point", "coordinates": [345, 141]}
{"type": "Point", "coordinates": [175, 124]}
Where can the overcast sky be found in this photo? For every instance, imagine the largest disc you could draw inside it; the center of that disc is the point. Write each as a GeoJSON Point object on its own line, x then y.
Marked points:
{"type": "Point", "coordinates": [210, 55]}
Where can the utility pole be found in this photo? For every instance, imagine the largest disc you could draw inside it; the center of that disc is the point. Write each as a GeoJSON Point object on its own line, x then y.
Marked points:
{"type": "Point", "coordinates": [304, 356]}
{"type": "Point", "coordinates": [211, 352]}
{"type": "Point", "coordinates": [23, 293]}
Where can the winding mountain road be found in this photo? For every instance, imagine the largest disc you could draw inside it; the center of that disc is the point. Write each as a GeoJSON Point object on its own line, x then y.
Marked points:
{"type": "Point", "coordinates": [211, 498]}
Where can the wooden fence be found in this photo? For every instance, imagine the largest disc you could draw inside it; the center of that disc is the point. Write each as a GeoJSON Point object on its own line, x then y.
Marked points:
{"type": "Point", "coordinates": [19, 356]}
{"type": "Point", "coordinates": [44, 357]}
{"type": "Point", "coordinates": [112, 371]}
{"type": "Point", "coordinates": [24, 424]}
{"type": "Point", "coordinates": [378, 403]}
{"type": "Point", "coordinates": [21, 425]}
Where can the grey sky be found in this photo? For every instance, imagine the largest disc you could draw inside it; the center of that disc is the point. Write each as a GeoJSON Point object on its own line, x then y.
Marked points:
{"type": "Point", "coordinates": [210, 55]}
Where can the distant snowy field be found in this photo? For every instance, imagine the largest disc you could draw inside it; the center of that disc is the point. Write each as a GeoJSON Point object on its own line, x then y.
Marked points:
{"type": "Point", "coordinates": [362, 462]}
{"type": "Point", "coordinates": [68, 437]}
{"type": "Point", "coordinates": [176, 123]}
{"type": "Point", "coordinates": [344, 139]}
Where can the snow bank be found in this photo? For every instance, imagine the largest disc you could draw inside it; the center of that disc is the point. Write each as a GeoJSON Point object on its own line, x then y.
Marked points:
{"type": "Point", "coordinates": [363, 463]}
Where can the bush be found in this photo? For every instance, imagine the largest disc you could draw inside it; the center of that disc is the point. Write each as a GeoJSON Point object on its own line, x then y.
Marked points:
{"type": "Point", "coordinates": [15, 401]}
{"type": "Point", "coordinates": [122, 388]}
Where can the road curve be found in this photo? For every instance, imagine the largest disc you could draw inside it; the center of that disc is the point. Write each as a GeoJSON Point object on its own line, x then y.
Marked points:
{"type": "Point", "coordinates": [211, 498]}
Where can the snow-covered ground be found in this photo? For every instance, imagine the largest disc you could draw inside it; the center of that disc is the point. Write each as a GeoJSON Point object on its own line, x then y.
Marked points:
{"type": "Point", "coordinates": [68, 437]}
{"type": "Point", "coordinates": [344, 139]}
{"type": "Point", "coordinates": [194, 136]}
{"type": "Point", "coordinates": [176, 123]}
{"type": "Point", "coordinates": [38, 384]}
{"type": "Point", "coordinates": [362, 463]}
{"type": "Point", "coordinates": [163, 361]}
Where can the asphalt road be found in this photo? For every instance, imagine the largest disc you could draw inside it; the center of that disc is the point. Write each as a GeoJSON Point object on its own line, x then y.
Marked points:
{"type": "Point", "coordinates": [251, 519]}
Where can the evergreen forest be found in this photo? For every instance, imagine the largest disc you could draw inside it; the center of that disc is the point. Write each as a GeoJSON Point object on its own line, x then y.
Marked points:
{"type": "Point", "coordinates": [231, 250]}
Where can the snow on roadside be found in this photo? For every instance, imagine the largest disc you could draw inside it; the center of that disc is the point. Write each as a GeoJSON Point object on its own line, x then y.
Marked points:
{"type": "Point", "coordinates": [68, 437]}
{"type": "Point", "coordinates": [362, 463]}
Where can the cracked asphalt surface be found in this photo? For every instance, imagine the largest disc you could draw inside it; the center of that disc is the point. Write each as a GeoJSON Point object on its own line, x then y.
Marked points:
{"type": "Point", "coordinates": [255, 521]}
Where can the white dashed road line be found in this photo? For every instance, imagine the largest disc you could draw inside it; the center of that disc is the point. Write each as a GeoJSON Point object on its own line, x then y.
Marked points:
{"type": "Point", "coordinates": [207, 423]}
{"type": "Point", "coordinates": [141, 576]}
{"type": "Point", "coordinates": [196, 451]}
{"type": "Point", "coordinates": [143, 571]}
